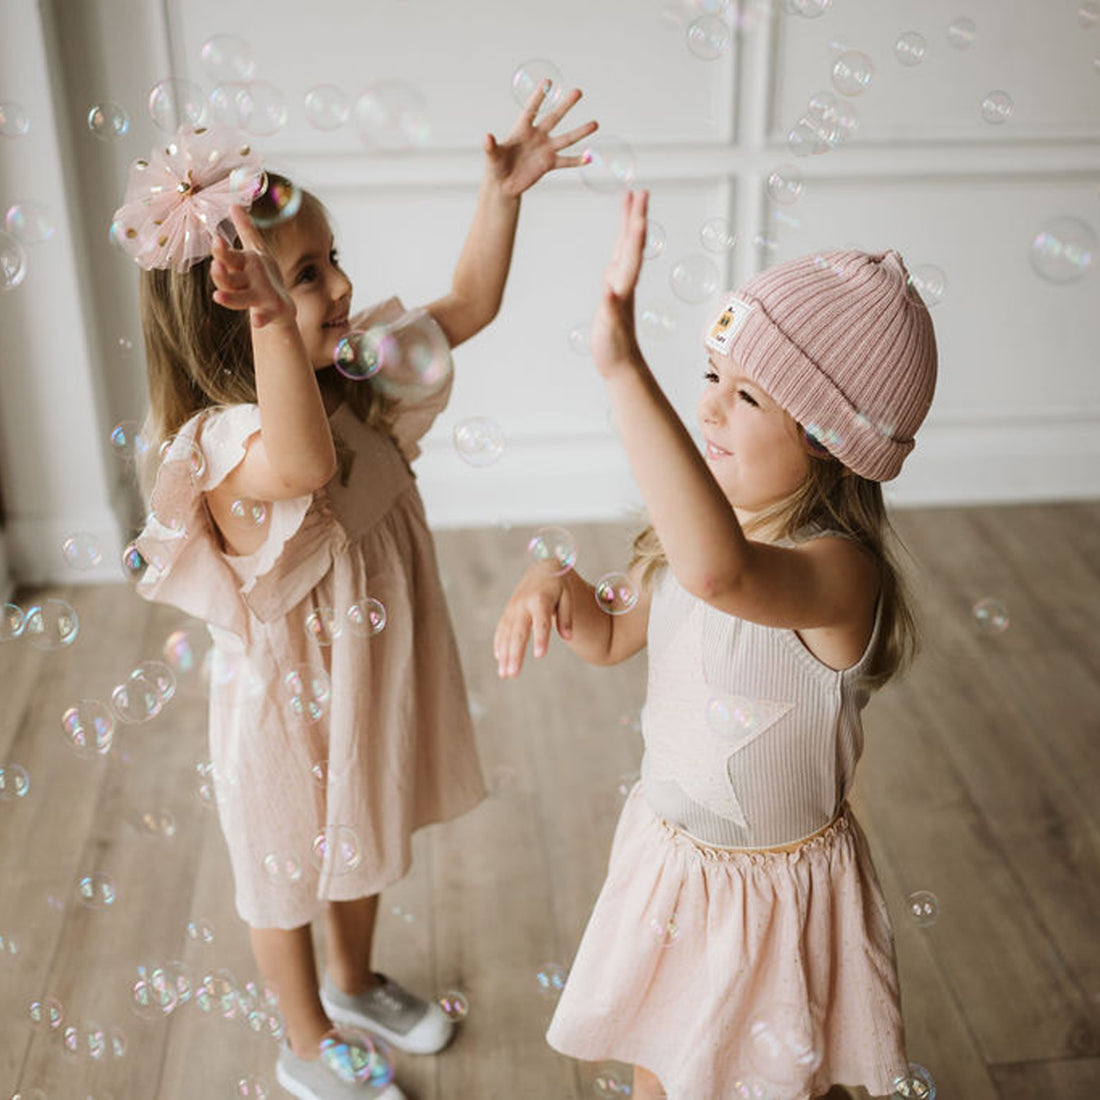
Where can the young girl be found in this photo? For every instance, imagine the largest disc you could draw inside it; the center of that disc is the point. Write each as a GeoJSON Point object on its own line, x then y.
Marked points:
{"type": "Point", "coordinates": [740, 946]}
{"type": "Point", "coordinates": [286, 516]}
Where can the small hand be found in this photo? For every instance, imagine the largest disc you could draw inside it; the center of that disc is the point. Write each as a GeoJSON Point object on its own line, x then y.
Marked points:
{"type": "Point", "coordinates": [531, 150]}
{"type": "Point", "coordinates": [248, 277]}
{"type": "Point", "coordinates": [540, 598]}
{"type": "Point", "coordinates": [613, 339]}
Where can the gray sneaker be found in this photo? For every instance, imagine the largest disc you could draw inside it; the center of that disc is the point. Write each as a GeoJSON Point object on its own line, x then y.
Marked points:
{"type": "Point", "coordinates": [313, 1080]}
{"type": "Point", "coordinates": [398, 1016]}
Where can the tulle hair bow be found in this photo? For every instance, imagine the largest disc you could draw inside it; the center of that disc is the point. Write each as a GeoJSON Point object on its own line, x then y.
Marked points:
{"type": "Point", "coordinates": [178, 199]}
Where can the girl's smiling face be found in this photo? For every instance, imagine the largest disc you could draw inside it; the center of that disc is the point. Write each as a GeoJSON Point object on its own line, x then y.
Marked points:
{"type": "Point", "coordinates": [321, 291]}
{"type": "Point", "coordinates": [755, 449]}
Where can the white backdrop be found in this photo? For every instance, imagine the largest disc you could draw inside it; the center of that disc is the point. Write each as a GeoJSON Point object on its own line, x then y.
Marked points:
{"type": "Point", "coordinates": [1017, 413]}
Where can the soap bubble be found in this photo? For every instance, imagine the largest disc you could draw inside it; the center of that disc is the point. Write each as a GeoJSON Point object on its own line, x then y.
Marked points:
{"type": "Point", "coordinates": [657, 320]}
{"type": "Point", "coordinates": [89, 727]}
{"type": "Point", "coordinates": [96, 891]}
{"type": "Point", "coordinates": [930, 282]}
{"type": "Point", "coordinates": [307, 691]}
{"type": "Point", "coordinates": [478, 440]}
{"type": "Point", "coordinates": [915, 1084]}
{"type": "Point", "coordinates": [717, 235]}
{"type": "Point", "coordinates": [265, 110]}
{"type": "Point", "coordinates": [46, 1014]}
{"type": "Point", "coordinates": [997, 108]}
{"type": "Point", "coordinates": [961, 33]}
{"type": "Point", "coordinates": [1063, 250]}
{"type": "Point", "coordinates": [14, 121]}
{"type": "Point", "coordinates": [29, 223]}
{"type": "Point", "coordinates": [108, 121]}
{"type": "Point", "coordinates": [82, 551]}
{"type": "Point", "coordinates": [176, 102]}
{"type": "Point", "coordinates": [392, 114]}
{"type": "Point", "coordinates": [924, 907]}
{"type": "Point", "coordinates": [13, 263]}
{"type": "Point", "coordinates": [732, 717]}
{"type": "Point", "coordinates": [154, 994]}
{"type": "Point", "coordinates": [154, 823]}
{"type": "Point", "coordinates": [336, 850]}
{"type": "Point", "coordinates": [279, 201]}
{"type": "Point", "coordinates": [179, 651]}
{"type": "Point", "coordinates": [853, 72]}
{"type": "Point", "coordinates": [14, 782]}
{"type": "Point", "coordinates": [281, 867]}
{"type": "Point", "coordinates": [133, 563]}
{"type": "Point", "coordinates": [785, 184]}
{"type": "Point", "coordinates": [327, 107]}
{"type": "Point", "coordinates": [160, 676]}
{"type": "Point", "coordinates": [784, 1046]}
{"type": "Point", "coordinates": [612, 1082]}
{"type": "Point", "coordinates": [709, 37]}
{"type": "Point", "coordinates": [229, 104]}
{"type": "Point", "coordinates": [553, 545]}
{"type": "Point", "coordinates": [201, 930]}
{"type": "Point", "coordinates": [695, 278]}
{"type": "Point", "coordinates": [357, 1057]}
{"type": "Point", "coordinates": [551, 978]}
{"type": "Point", "coordinates": [252, 1088]}
{"type": "Point", "coordinates": [990, 616]}
{"type": "Point", "coordinates": [227, 57]}
{"type": "Point", "coordinates": [248, 513]}
{"type": "Point", "coordinates": [910, 48]}
{"type": "Point", "coordinates": [12, 622]}
{"type": "Point", "coordinates": [530, 75]}
{"type": "Point", "coordinates": [615, 593]}
{"type": "Point", "coordinates": [127, 441]}
{"type": "Point", "coordinates": [357, 354]}
{"type": "Point", "coordinates": [366, 618]}
{"type": "Point", "coordinates": [808, 9]}
{"type": "Point", "coordinates": [51, 624]}
{"type": "Point", "coordinates": [654, 239]}
{"type": "Point", "coordinates": [1088, 13]}
{"type": "Point", "coordinates": [323, 626]}
{"type": "Point", "coordinates": [607, 163]}
{"type": "Point", "coordinates": [454, 1004]}
{"type": "Point", "coordinates": [580, 339]}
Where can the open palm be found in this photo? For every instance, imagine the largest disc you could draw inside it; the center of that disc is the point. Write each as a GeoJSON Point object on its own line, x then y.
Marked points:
{"type": "Point", "coordinates": [613, 337]}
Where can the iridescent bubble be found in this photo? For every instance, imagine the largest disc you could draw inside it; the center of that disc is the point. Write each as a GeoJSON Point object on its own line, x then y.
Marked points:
{"type": "Point", "coordinates": [89, 727]}
{"type": "Point", "coordinates": [281, 868]}
{"type": "Point", "coordinates": [8, 945]}
{"type": "Point", "coordinates": [530, 75]}
{"type": "Point", "coordinates": [580, 339]}
{"type": "Point", "coordinates": [14, 782]}
{"type": "Point", "coordinates": [357, 354]}
{"type": "Point", "coordinates": [1088, 14]}
{"type": "Point", "coordinates": [135, 700]}
{"type": "Point", "coordinates": [1063, 250]}
{"type": "Point", "coordinates": [997, 108]}
{"type": "Point", "coordinates": [924, 907]}
{"type": "Point", "coordinates": [615, 593]}
{"type": "Point", "coordinates": [108, 121]}
{"type": "Point", "coordinates": [392, 114]}
{"type": "Point", "coordinates": [29, 223]}
{"type": "Point", "coordinates": [179, 652]}
{"type": "Point", "coordinates": [930, 282]}
{"type": "Point", "coordinates": [318, 771]}
{"type": "Point", "coordinates": [915, 1084]}
{"type": "Point", "coordinates": [607, 163]}
{"type": "Point", "coordinates": [804, 138]}
{"type": "Point", "coordinates": [46, 1014]}
{"type": "Point", "coordinates": [86, 1040]}
{"type": "Point", "coordinates": [413, 358]}
{"type": "Point", "coordinates": [657, 320]}
{"type": "Point", "coordinates": [160, 676]}
{"type": "Point", "coordinates": [554, 546]}
{"type": "Point", "coordinates": [910, 48]}
{"type": "Point", "coordinates": [154, 823]}
{"type": "Point", "coordinates": [126, 439]}
{"type": "Point", "coordinates": [808, 9]}
{"type": "Point", "coordinates": [695, 278]}
{"type": "Point", "coordinates": [96, 891]}
{"type": "Point", "coordinates": [336, 850]}
{"type": "Point", "coordinates": [454, 1004]}
{"type": "Point", "coordinates": [308, 691]}
{"type": "Point", "coordinates": [11, 622]}
{"type": "Point", "coordinates": [265, 110]}
{"type": "Point", "coordinates": [82, 551]}
{"type": "Point", "coordinates": [13, 263]}
{"type": "Point", "coordinates": [31, 1092]}
{"type": "Point", "coordinates": [655, 238]}
{"type": "Point", "coordinates": [14, 121]}
{"type": "Point", "coordinates": [666, 932]}
{"type": "Point", "coordinates": [218, 992]}
{"type": "Point", "coordinates": [187, 454]}
{"type": "Point", "coordinates": [551, 978]}
{"type": "Point", "coordinates": [366, 618]}
{"type": "Point", "coordinates": [279, 202]}
{"type": "Point", "coordinates": [732, 717]}
{"type": "Point", "coordinates": [853, 72]}
{"type": "Point", "coordinates": [248, 513]}
{"type": "Point", "coordinates": [990, 616]}
{"type": "Point", "coordinates": [176, 102]}
{"type": "Point", "coordinates": [252, 1088]}
{"type": "Point", "coordinates": [478, 440]}
{"type": "Point", "coordinates": [611, 1081]}
{"type": "Point", "coordinates": [133, 563]}
{"type": "Point", "coordinates": [783, 1046]}
{"type": "Point", "coordinates": [227, 57]}
{"type": "Point", "coordinates": [961, 33]}
{"type": "Point", "coordinates": [709, 37]}
{"type": "Point", "coordinates": [51, 624]}
{"type": "Point", "coordinates": [717, 235]}
{"type": "Point", "coordinates": [229, 104]}
{"type": "Point", "coordinates": [785, 184]}
{"type": "Point", "coordinates": [403, 915]}
{"type": "Point", "coordinates": [323, 626]}
{"type": "Point", "coordinates": [357, 1057]}
{"type": "Point", "coordinates": [201, 930]}
{"type": "Point", "coordinates": [327, 107]}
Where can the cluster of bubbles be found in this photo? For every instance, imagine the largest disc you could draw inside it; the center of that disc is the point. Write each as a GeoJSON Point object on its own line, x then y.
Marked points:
{"type": "Point", "coordinates": [828, 121]}
{"type": "Point", "coordinates": [553, 546]}
{"type": "Point", "coordinates": [990, 616]}
{"type": "Point", "coordinates": [924, 907]}
{"type": "Point", "coordinates": [307, 691]}
{"type": "Point", "coordinates": [357, 1057]}
{"type": "Point", "coordinates": [478, 440]}
{"type": "Point", "coordinates": [48, 624]}
{"type": "Point", "coordinates": [362, 619]}
{"type": "Point", "coordinates": [88, 1039]}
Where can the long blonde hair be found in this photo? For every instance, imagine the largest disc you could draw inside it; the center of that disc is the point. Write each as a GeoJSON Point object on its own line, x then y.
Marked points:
{"type": "Point", "coordinates": [198, 354]}
{"type": "Point", "coordinates": [835, 499]}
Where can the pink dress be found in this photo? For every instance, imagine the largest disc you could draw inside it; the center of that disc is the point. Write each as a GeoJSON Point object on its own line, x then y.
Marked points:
{"type": "Point", "coordinates": [338, 713]}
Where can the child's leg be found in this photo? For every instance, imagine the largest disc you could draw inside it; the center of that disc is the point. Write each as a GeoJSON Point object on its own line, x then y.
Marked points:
{"type": "Point", "coordinates": [349, 935]}
{"type": "Point", "coordinates": [285, 959]}
{"type": "Point", "coordinates": [646, 1085]}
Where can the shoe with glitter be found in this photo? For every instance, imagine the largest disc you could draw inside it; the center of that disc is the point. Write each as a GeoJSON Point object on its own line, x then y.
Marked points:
{"type": "Point", "coordinates": [392, 1012]}
{"type": "Point", "coordinates": [315, 1080]}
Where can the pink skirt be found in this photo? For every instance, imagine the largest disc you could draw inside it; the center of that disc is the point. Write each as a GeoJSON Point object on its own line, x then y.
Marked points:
{"type": "Point", "coordinates": [722, 971]}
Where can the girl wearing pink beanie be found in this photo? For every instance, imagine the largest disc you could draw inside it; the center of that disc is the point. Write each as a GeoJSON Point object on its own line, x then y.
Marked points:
{"type": "Point", "coordinates": [740, 945]}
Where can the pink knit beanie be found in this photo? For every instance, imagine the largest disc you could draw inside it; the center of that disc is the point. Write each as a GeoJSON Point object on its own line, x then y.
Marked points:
{"type": "Point", "coordinates": [844, 344]}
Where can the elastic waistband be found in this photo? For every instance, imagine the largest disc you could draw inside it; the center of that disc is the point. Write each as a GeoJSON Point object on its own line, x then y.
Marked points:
{"type": "Point", "coordinates": [792, 846]}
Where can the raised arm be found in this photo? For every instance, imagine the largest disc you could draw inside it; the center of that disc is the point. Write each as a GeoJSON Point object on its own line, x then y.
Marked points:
{"type": "Point", "coordinates": [530, 151]}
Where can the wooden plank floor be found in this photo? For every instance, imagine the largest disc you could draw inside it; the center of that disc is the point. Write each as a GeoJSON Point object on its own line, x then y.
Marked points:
{"type": "Point", "coordinates": [979, 784]}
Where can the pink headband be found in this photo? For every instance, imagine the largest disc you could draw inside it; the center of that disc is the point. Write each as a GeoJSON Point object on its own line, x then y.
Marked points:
{"type": "Point", "coordinates": [178, 199]}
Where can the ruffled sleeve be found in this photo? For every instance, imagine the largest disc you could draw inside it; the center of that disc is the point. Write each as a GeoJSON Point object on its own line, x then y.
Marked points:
{"type": "Point", "coordinates": [416, 373]}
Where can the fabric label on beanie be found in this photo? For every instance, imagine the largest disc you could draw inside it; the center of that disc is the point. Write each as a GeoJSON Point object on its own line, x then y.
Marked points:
{"type": "Point", "coordinates": [728, 324]}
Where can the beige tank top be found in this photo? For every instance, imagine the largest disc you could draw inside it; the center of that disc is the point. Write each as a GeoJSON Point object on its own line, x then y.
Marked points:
{"type": "Point", "coordinates": [750, 740]}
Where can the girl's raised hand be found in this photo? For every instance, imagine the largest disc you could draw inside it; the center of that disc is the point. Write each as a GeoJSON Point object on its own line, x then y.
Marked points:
{"type": "Point", "coordinates": [531, 150]}
{"type": "Point", "coordinates": [248, 277]}
{"type": "Point", "coordinates": [613, 338]}
{"type": "Point", "coordinates": [540, 599]}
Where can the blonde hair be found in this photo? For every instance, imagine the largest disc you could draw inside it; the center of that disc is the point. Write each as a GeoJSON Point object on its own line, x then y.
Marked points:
{"type": "Point", "coordinates": [832, 498]}
{"type": "Point", "coordinates": [198, 354]}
